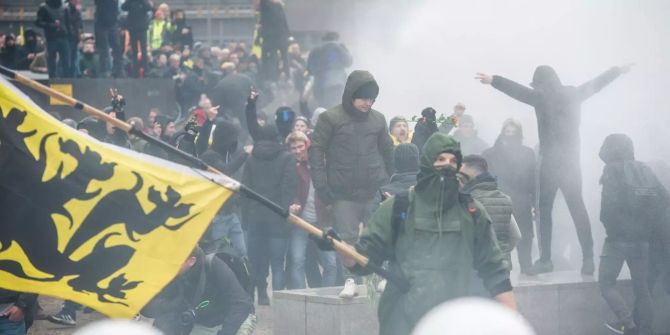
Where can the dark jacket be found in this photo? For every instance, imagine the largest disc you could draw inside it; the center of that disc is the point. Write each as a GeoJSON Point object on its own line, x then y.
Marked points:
{"type": "Point", "coordinates": [513, 164]}
{"type": "Point", "coordinates": [76, 23]}
{"type": "Point", "coordinates": [557, 107]}
{"type": "Point", "coordinates": [138, 18]}
{"type": "Point", "coordinates": [423, 129]}
{"type": "Point", "coordinates": [106, 13]}
{"type": "Point", "coordinates": [274, 26]}
{"type": "Point", "coordinates": [484, 188]}
{"type": "Point", "coordinates": [22, 300]}
{"type": "Point", "coordinates": [229, 304]}
{"type": "Point", "coordinates": [231, 94]}
{"type": "Point", "coordinates": [47, 15]}
{"type": "Point", "coordinates": [351, 154]}
{"type": "Point", "coordinates": [327, 63]}
{"type": "Point", "coordinates": [400, 182]}
{"type": "Point", "coordinates": [270, 171]}
{"type": "Point", "coordinates": [621, 224]}
{"type": "Point", "coordinates": [444, 237]}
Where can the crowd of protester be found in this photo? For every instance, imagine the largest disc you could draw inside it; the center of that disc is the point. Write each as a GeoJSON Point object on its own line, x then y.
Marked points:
{"type": "Point", "coordinates": [314, 162]}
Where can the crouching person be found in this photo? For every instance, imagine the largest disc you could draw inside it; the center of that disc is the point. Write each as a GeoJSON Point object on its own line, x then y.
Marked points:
{"type": "Point", "coordinates": [204, 298]}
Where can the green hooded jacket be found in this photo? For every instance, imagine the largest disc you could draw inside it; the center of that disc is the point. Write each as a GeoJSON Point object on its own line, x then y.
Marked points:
{"type": "Point", "coordinates": [445, 236]}
{"type": "Point", "coordinates": [351, 155]}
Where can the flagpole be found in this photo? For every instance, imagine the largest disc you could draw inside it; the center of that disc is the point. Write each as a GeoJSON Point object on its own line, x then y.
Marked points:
{"type": "Point", "coordinates": [233, 185]}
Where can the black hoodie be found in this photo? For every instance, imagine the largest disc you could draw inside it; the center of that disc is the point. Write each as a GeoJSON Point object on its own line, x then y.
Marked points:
{"type": "Point", "coordinates": [621, 223]}
{"type": "Point", "coordinates": [53, 17]}
{"type": "Point", "coordinates": [557, 107]}
{"type": "Point", "coordinates": [271, 172]}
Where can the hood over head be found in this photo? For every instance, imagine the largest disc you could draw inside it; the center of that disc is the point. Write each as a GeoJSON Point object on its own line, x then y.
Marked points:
{"type": "Point", "coordinates": [54, 3]}
{"type": "Point", "coordinates": [617, 148]}
{"type": "Point", "coordinates": [438, 184]}
{"type": "Point", "coordinates": [224, 137]}
{"type": "Point", "coordinates": [360, 84]}
{"type": "Point", "coordinates": [516, 139]}
{"type": "Point", "coordinates": [545, 77]}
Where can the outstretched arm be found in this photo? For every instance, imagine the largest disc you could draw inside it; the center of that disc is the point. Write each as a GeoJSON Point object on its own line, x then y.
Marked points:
{"type": "Point", "coordinates": [513, 89]}
{"type": "Point", "coordinates": [593, 86]}
{"type": "Point", "coordinates": [252, 116]}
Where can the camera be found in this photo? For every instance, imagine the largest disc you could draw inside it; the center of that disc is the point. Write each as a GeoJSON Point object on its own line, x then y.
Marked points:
{"type": "Point", "coordinates": [187, 321]}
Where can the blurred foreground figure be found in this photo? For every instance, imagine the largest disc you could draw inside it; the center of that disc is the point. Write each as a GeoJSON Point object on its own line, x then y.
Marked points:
{"type": "Point", "coordinates": [433, 236]}
{"type": "Point", "coordinates": [558, 110]}
{"type": "Point", "coordinates": [472, 316]}
{"type": "Point", "coordinates": [115, 327]}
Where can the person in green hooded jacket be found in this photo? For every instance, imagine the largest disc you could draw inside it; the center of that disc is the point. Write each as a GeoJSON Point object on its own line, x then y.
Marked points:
{"type": "Point", "coordinates": [445, 235]}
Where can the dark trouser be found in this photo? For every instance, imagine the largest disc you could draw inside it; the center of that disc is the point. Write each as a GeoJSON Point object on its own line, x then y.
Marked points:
{"type": "Point", "coordinates": [8, 327]}
{"type": "Point", "coordinates": [522, 209]}
{"type": "Point", "coordinates": [58, 57]}
{"type": "Point", "coordinates": [556, 174]}
{"type": "Point", "coordinates": [74, 57]}
{"type": "Point", "coordinates": [106, 38]}
{"type": "Point", "coordinates": [138, 36]}
{"type": "Point", "coordinates": [659, 261]}
{"type": "Point", "coordinates": [271, 61]}
{"type": "Point", "coordinates": [267, 251]}
{"type": "Point", "coordinates": [636, 256]}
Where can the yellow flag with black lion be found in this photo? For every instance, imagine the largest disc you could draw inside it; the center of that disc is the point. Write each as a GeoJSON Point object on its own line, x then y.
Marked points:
{"type": "Point", "coordinates": [88, 221]}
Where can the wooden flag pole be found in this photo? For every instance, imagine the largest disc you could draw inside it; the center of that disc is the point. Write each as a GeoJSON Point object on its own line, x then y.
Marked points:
{"type": "Point", "coordinates": [231, 184]}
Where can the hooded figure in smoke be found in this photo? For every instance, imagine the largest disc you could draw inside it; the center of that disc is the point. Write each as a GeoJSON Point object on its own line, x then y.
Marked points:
{"type": "Point", "coordinates": [514, 165]}
{"type": "Point", "coordinates": [558, 111]}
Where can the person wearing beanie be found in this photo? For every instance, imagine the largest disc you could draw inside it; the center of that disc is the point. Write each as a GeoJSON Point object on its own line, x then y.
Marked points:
{"type": "Point", "coordinates": [406, 163]}
{"type": "Point", "coordinates": [436, 245]}
{"type": "Point", "coordinates": [399, 130]}
{"type": "Point", "coordinates": [302, 125]}
{"type": "Point", "coordinates": [514, 166]}
{"type": "Point", "coordinates": [558, 108]}
{"type": "Point", "coordinates": [351, 158]}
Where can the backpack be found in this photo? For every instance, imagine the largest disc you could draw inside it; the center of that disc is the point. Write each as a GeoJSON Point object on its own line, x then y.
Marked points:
{"type": "Point", "coordinates": [239, 266]}
{"type": "Point", "coordinates": [642, 195]}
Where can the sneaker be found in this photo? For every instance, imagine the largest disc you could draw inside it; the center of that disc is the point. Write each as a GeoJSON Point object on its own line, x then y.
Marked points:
{"type": "Point", "coordinates": [381, 286]}
{"type": "Point", "coordinates": [588, 267]}
{"type": "Point", "coordinates": [63, 318]}
{"type": "Point", "coordinates": [350, 289]}
{"type": "Point", "coordinates": [541, 267]}
{"type": "Point", "coordinates": [615, 327]}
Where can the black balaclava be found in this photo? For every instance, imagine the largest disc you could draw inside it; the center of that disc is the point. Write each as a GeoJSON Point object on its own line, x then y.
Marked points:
{"type": "Point", "coordinates": [54, 3]}
{"type": "Point", "coordinates": [224, 138]}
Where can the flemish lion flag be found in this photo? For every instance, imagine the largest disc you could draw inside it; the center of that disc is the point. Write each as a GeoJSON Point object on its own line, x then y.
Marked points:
{"type": "Point", "coordinates": [91, 222]}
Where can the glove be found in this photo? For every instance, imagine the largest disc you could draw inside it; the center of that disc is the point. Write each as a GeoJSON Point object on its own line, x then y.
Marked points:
{"type": "Point", "coordinates": [325, 242]}
{"type": "Point", "coordinates": [325, 195]}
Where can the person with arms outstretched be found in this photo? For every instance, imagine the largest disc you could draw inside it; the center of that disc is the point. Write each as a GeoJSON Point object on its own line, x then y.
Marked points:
{"type": "Point", "coordinates": [558, 109]}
